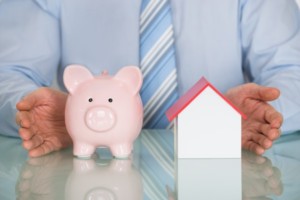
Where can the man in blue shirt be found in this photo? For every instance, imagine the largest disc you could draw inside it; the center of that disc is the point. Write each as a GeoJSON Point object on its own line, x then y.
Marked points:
{"type": "Point", "coordinates": [230, 42]}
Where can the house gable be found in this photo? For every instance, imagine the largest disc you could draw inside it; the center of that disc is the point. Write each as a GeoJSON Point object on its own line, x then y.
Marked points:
{"type": "Point", "coordinates": [191, 94]}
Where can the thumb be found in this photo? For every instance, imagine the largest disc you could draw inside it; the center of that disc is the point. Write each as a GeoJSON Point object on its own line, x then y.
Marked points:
{"type": "Point", "coordinates": [29, 101]}
{"type": "Point", "coordinates": [262, 93]}
{"type": "Point", "coordinates": [269, 93]}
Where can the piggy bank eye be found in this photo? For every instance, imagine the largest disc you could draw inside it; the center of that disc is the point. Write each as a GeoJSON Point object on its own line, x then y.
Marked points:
{"type": "Point", "coordinates": [110, 100]}
{"type": "Point", "coordinates": [90, 99]}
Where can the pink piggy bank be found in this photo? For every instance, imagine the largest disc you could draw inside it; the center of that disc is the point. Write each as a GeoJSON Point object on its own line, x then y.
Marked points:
{"type": "Point", "coordinates": [103, 111]}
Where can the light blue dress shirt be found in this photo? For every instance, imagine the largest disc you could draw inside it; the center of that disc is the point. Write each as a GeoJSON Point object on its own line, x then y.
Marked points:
{"type": "Point", "coordinates": [227, 41]}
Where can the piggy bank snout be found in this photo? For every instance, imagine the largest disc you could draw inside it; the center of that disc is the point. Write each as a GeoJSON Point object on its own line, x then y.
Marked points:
{"type": "Point", "coordinates": [100, 119]}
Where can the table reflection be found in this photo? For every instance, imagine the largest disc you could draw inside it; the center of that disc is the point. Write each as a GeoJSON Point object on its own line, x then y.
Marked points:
{"type": "Point", "coordinates": [12, 157]}
{"type": "Point", "coordinates": [156, 163]}
{"type": "Point", "coordinates": [44, 177]}
{"type": "Point", "coordinates": [151, 173]}
{"type": "Point", "coordinates": [275, 175]}
{"type": "Point", "coordinates": [104, 179]}
{"type": "Point", "coordinates": [260, 177]}
{"type": "Point", "coordinates": [147, 174]}
{"type": "Point", "coordinates": [285, 155]}
{"type": "Point", "coordinates": [62, 176]}
{"type": "Point", "coordinates": [209, 179]}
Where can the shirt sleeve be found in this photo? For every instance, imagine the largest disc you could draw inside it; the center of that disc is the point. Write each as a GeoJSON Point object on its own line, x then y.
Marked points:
{"type": "Point", "coordinates": [270, 32]}
{"type": "Point", "coordinates": [29, 55]}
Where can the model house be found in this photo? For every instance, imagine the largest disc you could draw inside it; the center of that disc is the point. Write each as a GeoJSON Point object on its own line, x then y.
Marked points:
{"type": "Point", "coordinates": [207, 125]}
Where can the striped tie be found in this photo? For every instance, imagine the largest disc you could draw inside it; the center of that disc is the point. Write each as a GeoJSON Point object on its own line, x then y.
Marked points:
{"type": "Point", "coordinates": [157, 62]}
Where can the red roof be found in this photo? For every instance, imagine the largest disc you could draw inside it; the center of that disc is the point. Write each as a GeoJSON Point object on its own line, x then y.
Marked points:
{"type": "Point", "coordinates": [191, 94]}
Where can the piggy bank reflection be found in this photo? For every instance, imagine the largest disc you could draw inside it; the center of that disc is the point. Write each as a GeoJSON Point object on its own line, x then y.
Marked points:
{"type": "Point", "coordinates": [104, 110]}
{"type": "Point", "coordinates": [114, 180]}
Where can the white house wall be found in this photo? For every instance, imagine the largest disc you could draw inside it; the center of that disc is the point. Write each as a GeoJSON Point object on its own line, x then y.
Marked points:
{"type": "Point", "coordinates": [209, 128]}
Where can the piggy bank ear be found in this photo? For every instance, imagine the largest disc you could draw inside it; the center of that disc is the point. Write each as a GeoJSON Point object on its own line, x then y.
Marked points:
{"type": "Point", "coordinates": [74, 75]}
{"type": "Point", "coordinates": [132, 76]}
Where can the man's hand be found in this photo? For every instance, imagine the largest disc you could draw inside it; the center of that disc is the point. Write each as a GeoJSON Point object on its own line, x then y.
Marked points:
{"type": "Point", "coordinates": [41, 117]}
{"type": "Point", "coordinates": [263, 122]}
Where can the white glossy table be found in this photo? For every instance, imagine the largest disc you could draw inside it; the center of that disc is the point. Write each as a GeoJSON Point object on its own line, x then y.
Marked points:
{"type": "Point", "coordinates": [151, 173]}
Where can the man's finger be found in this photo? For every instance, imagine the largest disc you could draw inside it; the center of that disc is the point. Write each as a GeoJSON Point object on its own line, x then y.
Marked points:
{"type": "Point", "coordinates": [273, 117]}
{"type": "Point", "coordinates": [268, 93]}
{"type": "Point", "coordinates": [34, 142]}
{"type": "Point", "coordinates": [18, 119]}
{"type": "Point", "coordinates": [264, 128]}
{"type": "Point", "coordinates": [268, 131]}
{"type": "Point", "coordinates": [41, 150]}
{"type": "Point", "coordinates": [262, 140]}
{"type": "Point", "coordinates": [25, 133]}
{"type": "Point", "coordinates": [254, 147]}
{"type": "Point", "coordinates": [28, 102]}
{"type": "Point", "coordinates": [23, 119]}
{"type": "Point", "coordinates": [254, 91]}
{"type": "Point", "coordinates": [274, 134]}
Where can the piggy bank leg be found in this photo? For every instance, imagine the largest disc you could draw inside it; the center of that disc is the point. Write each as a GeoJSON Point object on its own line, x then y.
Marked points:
{"type": "Point", "coordinates": [83, 150]}
{"type": "Point", "coordinates": [121, 150]}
